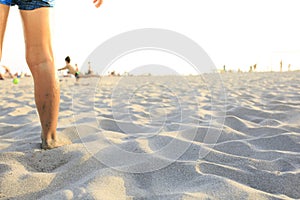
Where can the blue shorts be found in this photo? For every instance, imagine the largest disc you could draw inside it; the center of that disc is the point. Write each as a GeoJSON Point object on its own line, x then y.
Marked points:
{"type": "Point", "coordinates": [28, 4]}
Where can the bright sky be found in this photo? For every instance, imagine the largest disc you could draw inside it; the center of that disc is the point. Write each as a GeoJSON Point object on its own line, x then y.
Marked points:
{"type": "Point", "coordinates": [232, 32]}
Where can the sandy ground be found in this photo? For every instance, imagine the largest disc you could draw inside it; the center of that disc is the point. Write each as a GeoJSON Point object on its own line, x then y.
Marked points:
{"type": "Point", "coordinates": [233, 136]}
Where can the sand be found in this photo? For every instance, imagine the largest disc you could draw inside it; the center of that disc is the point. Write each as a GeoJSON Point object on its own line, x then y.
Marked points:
{"type": "Point", "coordinates": [233, 136]}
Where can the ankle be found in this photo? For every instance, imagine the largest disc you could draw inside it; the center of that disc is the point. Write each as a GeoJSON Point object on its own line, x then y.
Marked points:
{"type": "Point", "coordinates": [49, 136]}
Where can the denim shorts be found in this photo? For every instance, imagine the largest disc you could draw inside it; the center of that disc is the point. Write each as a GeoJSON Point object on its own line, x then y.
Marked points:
{"type": "Point", "coordinates": [28, 4]}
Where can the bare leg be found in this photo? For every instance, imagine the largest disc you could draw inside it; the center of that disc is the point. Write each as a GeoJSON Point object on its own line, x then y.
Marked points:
{"type": "Point", "coordinates": [4, 10]}
{"type": "Point", "coordinates": [40, 60]}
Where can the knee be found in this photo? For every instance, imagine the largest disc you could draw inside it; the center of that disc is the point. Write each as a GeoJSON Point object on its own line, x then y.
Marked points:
{"type": "Point", "coordinates": [41, 67]}
{"type": "Point", "coordinates": [38, 60]}
{"type": "Point", "coordinates": [38, 55]}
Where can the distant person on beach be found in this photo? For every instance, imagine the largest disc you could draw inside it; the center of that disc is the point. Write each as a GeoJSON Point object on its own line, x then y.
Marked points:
{"type": "Point", "coordinates": [76, 68]}
{"type": "Point", "coordinates": [5, 72]}
{"type": "Point", "coordinates": [250, 69]}
{"type": "Point", "coordinates": [90, 71]}
{"type": "Point", "coordinates": [35, 16]}
{"type": "Point", "coordinates": [70, 68]}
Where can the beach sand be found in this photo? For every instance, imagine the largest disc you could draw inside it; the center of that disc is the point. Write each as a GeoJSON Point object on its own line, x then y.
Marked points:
{"type": "Point", "coordinates": [191, 137]}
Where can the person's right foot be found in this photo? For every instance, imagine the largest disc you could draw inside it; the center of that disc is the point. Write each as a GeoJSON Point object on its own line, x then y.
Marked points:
{"type": "Point", "coordinates": [54, 143]}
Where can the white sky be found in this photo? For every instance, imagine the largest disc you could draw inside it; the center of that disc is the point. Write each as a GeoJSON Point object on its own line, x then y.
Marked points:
{"type": "Point", "coordinates": [232, 32]}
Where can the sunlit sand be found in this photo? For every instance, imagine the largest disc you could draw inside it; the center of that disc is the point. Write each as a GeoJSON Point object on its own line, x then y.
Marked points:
{"type": "Point", "coordinates": [256, 156]}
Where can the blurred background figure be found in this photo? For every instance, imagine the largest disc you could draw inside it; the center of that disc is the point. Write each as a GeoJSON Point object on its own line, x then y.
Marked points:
{"type": "Point", "coordinates": [5, 72]}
